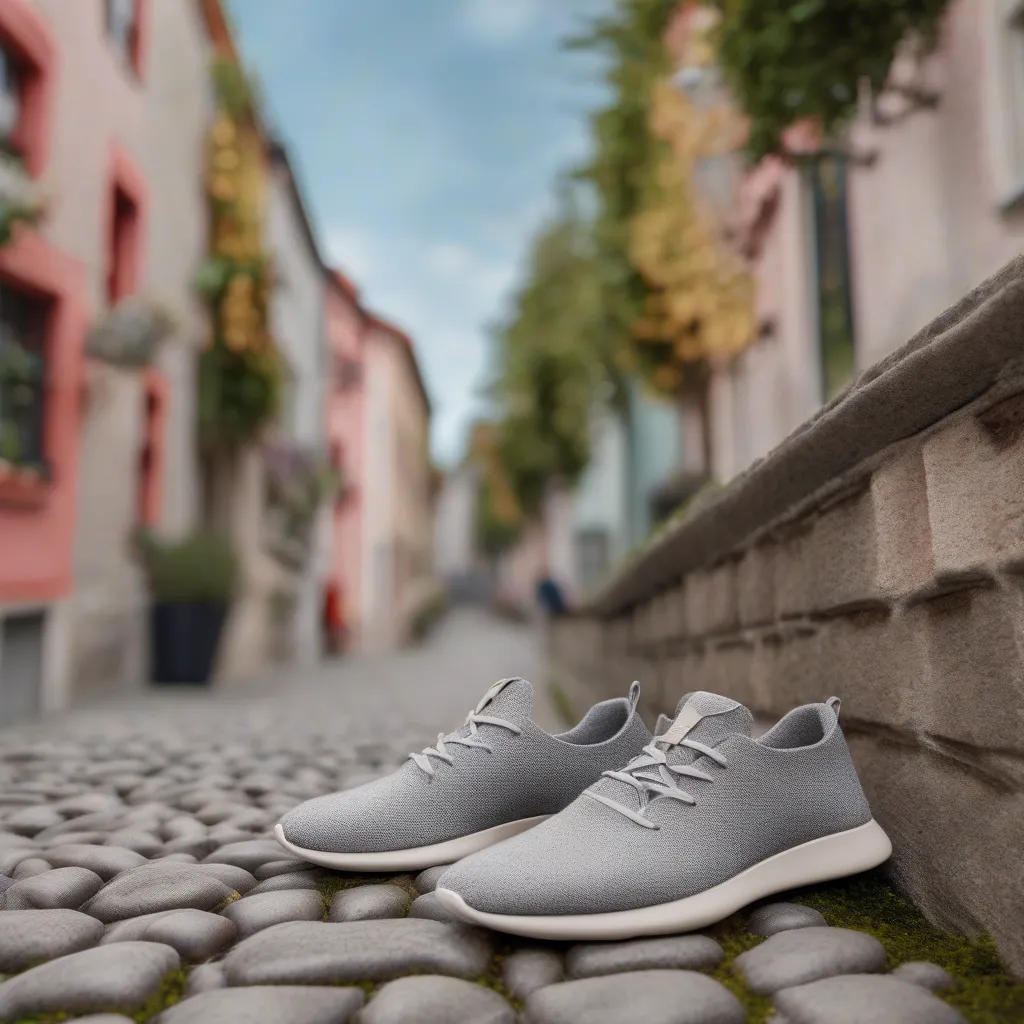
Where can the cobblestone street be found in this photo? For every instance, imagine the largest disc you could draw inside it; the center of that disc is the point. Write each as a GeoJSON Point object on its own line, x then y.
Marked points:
{"type": "Point", "coordinates": [142, 883]}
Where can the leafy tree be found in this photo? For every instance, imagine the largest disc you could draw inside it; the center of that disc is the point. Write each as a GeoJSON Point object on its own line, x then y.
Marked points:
{"type": "Point", "coordinates": [624, 151]}
{"type": "Point", "coordinates": [549, 364]}
{"type": "Point", "coordinates": [787, 60]}
{"type": "Point", "coordinates": [700, 302]}
{"type": "Point", "coordinates": [498, 519]}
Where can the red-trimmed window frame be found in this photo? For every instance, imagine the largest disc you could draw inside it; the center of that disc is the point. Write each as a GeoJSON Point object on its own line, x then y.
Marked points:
{"type": "Point", "coordinates": [139, 45]}
{"type": "Point", "coordinates": [151, 454]}
{"type": "Point", "coordinates": [25, 36]}
{"type": "Point", "coordinates": [124, 253]}
{"type": "Point", "coordinates": [31, 264]}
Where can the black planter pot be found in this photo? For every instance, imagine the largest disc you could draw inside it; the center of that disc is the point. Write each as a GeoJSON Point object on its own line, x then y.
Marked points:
{"type": "Point", "coordinates": [184, 637]}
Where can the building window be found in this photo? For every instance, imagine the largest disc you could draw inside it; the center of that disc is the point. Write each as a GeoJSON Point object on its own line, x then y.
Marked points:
{"type": "Point", "coordinates": [23, 327]}
{"type": "Point", "coordinates": [122, 26]}
{"type": "Point", "coordinates": [27, 61]}
{"type": "Point", "coordinates": [831, 239]}
{"type": "Point", "coordinates": [338, 468]}
{"type": "Point", "coordinates": [124, 234]}
{"type": "Point", "coordinates": [12, 77]}
{"type": "Point", "coordinates": [348, 374]}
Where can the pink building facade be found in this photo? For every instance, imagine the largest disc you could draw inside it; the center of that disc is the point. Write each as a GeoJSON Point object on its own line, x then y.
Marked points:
{"type": "Point", "coordinates": [851, 261]}
{"type": "Point", "coordinates": [346, 417]}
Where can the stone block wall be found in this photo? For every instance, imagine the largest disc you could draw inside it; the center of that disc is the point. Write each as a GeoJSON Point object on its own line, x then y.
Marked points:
{"type": "Point", "coordinates": [878, 555]}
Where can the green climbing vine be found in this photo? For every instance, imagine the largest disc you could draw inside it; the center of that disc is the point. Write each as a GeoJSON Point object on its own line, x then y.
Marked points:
{"type": "Point", "coordinates": [240, 371]}
{"type": "Point", "coordinates": [791, 60]}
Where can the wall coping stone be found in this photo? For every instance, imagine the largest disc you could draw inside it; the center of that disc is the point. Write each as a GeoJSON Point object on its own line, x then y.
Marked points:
{"type": "Point", "coordinates": [963, 354]}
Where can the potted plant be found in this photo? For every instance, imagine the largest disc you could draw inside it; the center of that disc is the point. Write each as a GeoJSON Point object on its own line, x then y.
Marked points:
{"type": "Point", "coordinates": [192, 584]}
{"type": "Point", "coordinates": [130, 334]}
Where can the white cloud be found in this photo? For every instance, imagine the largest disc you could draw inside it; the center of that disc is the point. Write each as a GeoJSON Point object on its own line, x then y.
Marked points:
{"type": "Point", "coordinates": [499, 21]}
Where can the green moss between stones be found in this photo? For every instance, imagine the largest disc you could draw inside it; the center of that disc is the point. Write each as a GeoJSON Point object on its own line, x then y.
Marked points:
{"type": "Point", "coordinates": [339, 881]}
{"type": "Point", "coordinates": [167, 994]}
{"type": "Point", "coordinates": [985, 993]}
{"type": "Point", "coordinates": [226, 902]}
{"type": "Point", "coordinates": [492, 978]}
{"type": "Point", "coordinates": [733, 937]}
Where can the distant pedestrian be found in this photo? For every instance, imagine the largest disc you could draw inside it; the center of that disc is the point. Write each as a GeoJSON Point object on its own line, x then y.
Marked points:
{"type": "Point", "coordinates": [550, 597]}
{"type": "Point", "coordinates": [334, 619]}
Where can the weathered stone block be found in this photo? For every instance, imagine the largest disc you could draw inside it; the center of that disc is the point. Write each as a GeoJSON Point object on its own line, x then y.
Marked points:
{"type": "Point", "coordinates": [755, 585]}
{"type": "Point", "coordinates": [936, 811]}
{"type": "Point", "coordinates": [676, 605]}
{"type": "Point", "coordinates": [974, 469]}
{"type": "Point", "coordinates": [875, 662]}
{"type": "Point", "coordinates": [832, 562]}
{"type": "Point", "coordinates": [711, 600]}
{"type": "Point", "coordinates": [663, 618]}
{"type": "Point", "coordinates": [974, 688]}
{"type": "Point", "coordinates": [785, 670]}
{"type": "Point", "coordinates": [903, 536]}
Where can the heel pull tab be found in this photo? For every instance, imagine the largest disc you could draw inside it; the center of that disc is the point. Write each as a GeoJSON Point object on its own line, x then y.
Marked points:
{"type": "Point", "coordinates": [634, 695]}
{"type": "Point", "coordinates": [835, 704]}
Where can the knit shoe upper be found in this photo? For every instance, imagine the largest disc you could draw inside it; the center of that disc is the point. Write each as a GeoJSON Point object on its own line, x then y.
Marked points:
{"type": "Point", "coordinates": [498, 768]}
{"type": "Point", "coordinates": [702, 803]}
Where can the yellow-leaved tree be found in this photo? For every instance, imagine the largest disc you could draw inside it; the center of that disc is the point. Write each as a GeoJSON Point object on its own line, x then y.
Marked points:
{"type": "Point", "coordinates": [699, 311]}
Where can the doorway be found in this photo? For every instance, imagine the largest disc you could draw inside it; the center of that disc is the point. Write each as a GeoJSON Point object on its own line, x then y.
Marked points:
{"type": "Point", "coordinates": [21, 666]}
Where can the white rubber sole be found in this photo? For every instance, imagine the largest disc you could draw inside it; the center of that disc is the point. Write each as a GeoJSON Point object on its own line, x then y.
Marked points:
{"type": "Point", "coordinates": [835, 856]}
{"type": "Point", "coordinates": [416, 859]}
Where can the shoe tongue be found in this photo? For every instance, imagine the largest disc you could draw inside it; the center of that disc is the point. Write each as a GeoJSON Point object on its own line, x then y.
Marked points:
{"type": "Point", "coordinates": [511, 699]}
{"type": "Point", "coordinates": [707, 718]}
{"type": "Point", "coordinates": [703, 717]}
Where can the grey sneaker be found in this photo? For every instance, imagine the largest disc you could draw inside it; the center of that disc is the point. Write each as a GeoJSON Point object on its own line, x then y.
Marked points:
{"type": "Point", "coordinates": [703, 822]}
{"type": "Point", "coordinates": [498, 775]}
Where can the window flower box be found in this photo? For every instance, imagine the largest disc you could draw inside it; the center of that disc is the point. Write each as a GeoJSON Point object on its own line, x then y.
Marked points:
{"type": "Point", "coordinates": [23, 486]}
{"type": "Point", "coordinates": [131, 333]}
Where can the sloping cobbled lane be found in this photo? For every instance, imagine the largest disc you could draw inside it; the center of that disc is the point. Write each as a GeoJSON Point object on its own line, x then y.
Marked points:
{"type": "Point", "coordinates": [140, 880]}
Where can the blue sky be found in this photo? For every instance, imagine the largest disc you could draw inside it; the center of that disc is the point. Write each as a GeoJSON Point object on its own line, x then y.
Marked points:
{"type": "Point", "coordinates": [429, 134]}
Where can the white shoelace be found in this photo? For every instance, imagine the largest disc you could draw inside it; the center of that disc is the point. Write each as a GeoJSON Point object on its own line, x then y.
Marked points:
{"type": "Point", "coordinates": [662, 782]}
{"type": "Point", "coordinates": [472, 740]}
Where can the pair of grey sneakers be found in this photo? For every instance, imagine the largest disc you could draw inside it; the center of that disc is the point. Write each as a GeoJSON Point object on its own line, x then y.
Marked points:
{"type": "Point", "coordinates": [555, 839]}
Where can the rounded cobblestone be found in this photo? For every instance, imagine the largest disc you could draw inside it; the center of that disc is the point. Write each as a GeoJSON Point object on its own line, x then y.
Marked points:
{"type": "Point", "coordinates": [369, 903]}
{"type": "Point", "coordinates": [29, 937]}
{"type": "Point", "coordinates": [124, 975]}
{"type": "Point", "coordinates": [267, 1005]}
{"type": "Point", "coordinates": [780, 917]}
{"type": "Point", "coordinates": [863, 999]}
{"type": "Point", "coordinates": [436, 1000]}
{"type": "Point", "coordinates": [105, 861]}
{"type": "Point", "coordinates": [195, 934]}
{"type": "Point", "coordinates": [678, 952]}
{"type": "Point", "coordinates": [426, 881]}
{"type": "Point", "coordinates": [254, 913]}
{"type": "Point", "coordinates": [157, 886]}
{"type": "Point", "coordinates": [527, 970]}
{"type": "Point", "coordinates": [929, 976]}
{"type": "Point", "coordinates": [61, 888]}
{"type": "Point", "coordinates": [798, 957]}
{"type": "Point", "coordinates": [314, 952]}
{"type": "Point", "coordinates": [663, 997]}
{"type": "Point", "coordinates": [426, 906]}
